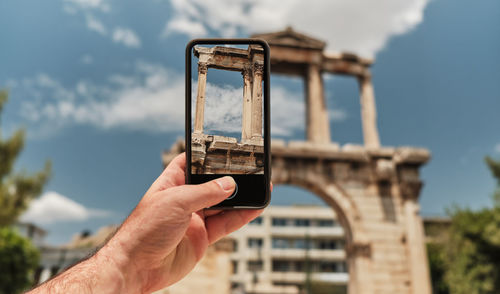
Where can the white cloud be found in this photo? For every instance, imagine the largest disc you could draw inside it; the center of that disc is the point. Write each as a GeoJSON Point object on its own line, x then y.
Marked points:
{"type": "Point", "coordinates": [87, 59]}
{"type": "Point", "coordinates": [89, 9]}
{"type": "Point", "coordinates": [185, 26]}
{"type": "Point", "coordinates": [363, 27]}
{"type": "Point", "coordinates": [497, 148]}
{"type": "Point", "coordinates": [150, 99]}
{"type": "Point", "coordinates": [223, 108]}
{"type": "Point", "coordinates": [127, 37]}
{"type": "Point", "coordinates": [287, 112]}
{"type": "Point", "coordinates": [53, 207]}
{"type": "Point", "coordinates": [95, 25]}
{"type": "Point", "coordinates": [72, 5]}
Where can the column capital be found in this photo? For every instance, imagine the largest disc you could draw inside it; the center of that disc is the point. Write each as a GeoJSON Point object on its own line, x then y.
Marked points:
{"type": "Point", "coordinates": [202, 67]}
{"type": "Point", "coordinates": [247, 72]}
{"type": "Point", "coordinates": [258, 68]}
{"type": "Point", "coordinates": [365, 77]}
{"type": "Point", "coordinates": [410, 190]}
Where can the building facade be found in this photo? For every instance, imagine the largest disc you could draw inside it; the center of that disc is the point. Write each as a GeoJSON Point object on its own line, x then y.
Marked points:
{"type": "Point", "coordinates": [288, 247]}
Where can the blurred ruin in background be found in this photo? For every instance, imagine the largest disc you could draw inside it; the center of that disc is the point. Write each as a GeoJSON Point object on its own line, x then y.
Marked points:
{"type": "Point", "coordinates": [372, 192]}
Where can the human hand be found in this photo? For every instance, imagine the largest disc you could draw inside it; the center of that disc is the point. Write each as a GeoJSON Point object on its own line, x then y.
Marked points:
{"type": "Point", "coordinates": [164, 236]}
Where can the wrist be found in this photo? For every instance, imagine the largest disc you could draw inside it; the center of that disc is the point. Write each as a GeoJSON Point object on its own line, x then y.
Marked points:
{"type": "Point", "coordinates": [110, 277]}
{"type": "Point", "coordinates": [97, 274]}
{"type": "Point", "coordinates": [121, 273]}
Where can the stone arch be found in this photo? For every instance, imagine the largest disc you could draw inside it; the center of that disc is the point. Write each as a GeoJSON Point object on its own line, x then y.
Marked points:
{"type": "Point", "coordinates": [348, 215]}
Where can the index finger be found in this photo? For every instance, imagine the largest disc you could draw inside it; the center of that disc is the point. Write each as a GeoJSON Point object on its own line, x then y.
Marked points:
{"type": "Point", "coordinates": [173, 175]}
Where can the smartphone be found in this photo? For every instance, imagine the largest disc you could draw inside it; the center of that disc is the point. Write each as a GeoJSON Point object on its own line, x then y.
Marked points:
{"type": "Point", "coordinates": [227, 118]}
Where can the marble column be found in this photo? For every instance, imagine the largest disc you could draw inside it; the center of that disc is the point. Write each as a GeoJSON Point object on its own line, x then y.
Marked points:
{"type": "Point", "coordinates": [200, 98]}
{"type": "Point", "coordinates": [257, 102]}
{"type": "Point", "coordinates": [317, 123]}
{"type": "Point", "coordinates": [246, 120]}
{"type": "Point", "coordinates": [368, 112]}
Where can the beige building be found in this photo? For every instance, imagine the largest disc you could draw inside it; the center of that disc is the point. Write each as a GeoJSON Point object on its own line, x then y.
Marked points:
{"type": "Point", "coordinates": [274, 252]}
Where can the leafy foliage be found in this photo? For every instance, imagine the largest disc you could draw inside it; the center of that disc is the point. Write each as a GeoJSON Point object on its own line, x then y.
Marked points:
{"type": "Point", "coordinates": [18, 259]}
{"type": "Point", "coordinates": [438, 268]}
{"type": "Point", "coordinates": [473, 252]}
{"type": "Point", "coordinates": [16, 189]}
{"type": "Point", "coordinates": [469, 260]}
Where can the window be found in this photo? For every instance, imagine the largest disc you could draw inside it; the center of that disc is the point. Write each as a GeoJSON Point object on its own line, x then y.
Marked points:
{"type": "Point", "coordinates": [279, 222]}
{"type": "Point", "coordinates": [328, 266]}
{"type": "Point", "coordinates": [234, 264]}
{"type": "Point", "coordinates": [281, 266]}
{"type": "Point", "coordinates": [255, 243]}
{"type": "Point", "coordinates": [301, 222]}
{"type": "Point", "coordinates": [300, 244]}
{"type": "Point", "coordinates": [326, 223]}
{"type": "Point", "coordinates": [299, 266]}
{"type": "Point", "coordinates": [332, 267]}
{"type": "Point", "coordinates": [341, 267]}
{"type": "Point", "coordinates": [255, 265]}
{"type": "Point", "coordinates": [281, 243]}
{"type": "Point", "coordinates": [327, 244]}
{"type": "Point", "coordinates": [256, 221]}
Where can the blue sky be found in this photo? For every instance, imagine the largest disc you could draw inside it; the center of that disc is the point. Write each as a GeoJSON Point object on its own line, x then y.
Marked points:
{"type": "Point", "coordinates": [98, 84]}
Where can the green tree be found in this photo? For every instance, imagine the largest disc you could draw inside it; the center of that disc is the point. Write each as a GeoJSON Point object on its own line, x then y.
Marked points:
{"type": "Point", "coordinates": [472, 252]}
{"type": "Point", "coordinates": [494, 166]}
{"type": "Point", "coordinates": [435, 252]}
{"type": "Point", "coordinates": [16, 189]}
{"type": "Point", "coordinates": [18, 260]}
{"type": "Point", "coordinates": [18, 257]}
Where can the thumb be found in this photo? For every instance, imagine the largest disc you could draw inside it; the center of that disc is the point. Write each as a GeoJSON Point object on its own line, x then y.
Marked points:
{"type": "Point", "coordinates": [196, 197]}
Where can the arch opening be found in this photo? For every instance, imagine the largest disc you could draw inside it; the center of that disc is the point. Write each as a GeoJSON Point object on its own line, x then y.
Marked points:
{"type": "Point", "coordinates": [307, 199]}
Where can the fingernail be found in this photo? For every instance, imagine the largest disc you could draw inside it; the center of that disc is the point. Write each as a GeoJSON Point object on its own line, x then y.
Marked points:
{"type": "Point", "coordinates": [226, 183]}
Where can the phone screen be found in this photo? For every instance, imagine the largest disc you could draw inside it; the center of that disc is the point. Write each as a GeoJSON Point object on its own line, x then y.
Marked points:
{"type": "Point", "coordinates": [228, 119]}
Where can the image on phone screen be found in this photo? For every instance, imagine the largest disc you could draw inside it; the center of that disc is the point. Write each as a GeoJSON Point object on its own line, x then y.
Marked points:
{"type": "Point", "coordinates": [227, 109]}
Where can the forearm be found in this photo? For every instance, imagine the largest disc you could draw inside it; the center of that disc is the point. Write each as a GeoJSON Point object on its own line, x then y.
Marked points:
{"type": "Point", "coordinates": [98, 274]}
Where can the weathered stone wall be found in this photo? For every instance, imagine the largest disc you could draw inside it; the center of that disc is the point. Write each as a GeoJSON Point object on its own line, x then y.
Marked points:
{"type": "Point", "coordinates": [374, 192]}
{"type": "Point", "coordinates": [211, 154]}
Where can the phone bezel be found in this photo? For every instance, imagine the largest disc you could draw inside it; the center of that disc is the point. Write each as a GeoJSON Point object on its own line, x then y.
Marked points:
{"type": "Point", "coordinates": [266, 106]}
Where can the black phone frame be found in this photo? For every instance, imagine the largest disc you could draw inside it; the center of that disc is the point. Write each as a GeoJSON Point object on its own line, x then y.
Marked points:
{"type": "Point", "coordinates": [266, 104]}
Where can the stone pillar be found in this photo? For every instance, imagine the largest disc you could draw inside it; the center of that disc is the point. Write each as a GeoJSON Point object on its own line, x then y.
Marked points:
{"type": "Point", "coordinates": [246, 120]}
{"type": "Point", "coordinates": [317, 124]}
{"type": "Point", "coordinates": [257, 102]}
{"type": "Point", "coordinates": [368, 112]}
{"type": "Point", "coordinates": [200, 98]}
{"type": "Point", "coordinates": [419, 266]}
{"type": "Point", "coordinates": [359, 256]}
